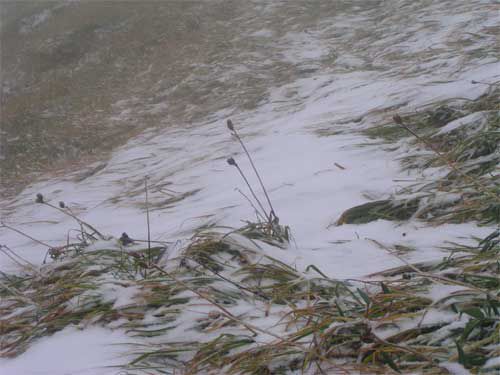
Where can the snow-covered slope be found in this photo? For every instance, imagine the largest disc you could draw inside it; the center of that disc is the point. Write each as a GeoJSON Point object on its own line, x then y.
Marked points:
{"type": "Point", "coordinates": [354, 66]}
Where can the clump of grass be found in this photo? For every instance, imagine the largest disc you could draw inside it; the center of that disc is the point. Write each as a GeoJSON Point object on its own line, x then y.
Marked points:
{"type": "Point", "coordinates": [73, 289]}
{"type": "Point", "coordinates": [471, 159]}
{"type": "Point", "coordinates": [41, 303]}
{"type": "Point", "coordinates": [384, 209]}
{"type": "Point", "coordinates": [214, 252]}
{"type": "Point", "coordinates": [488, 101]}
{"type": "Point", "coordinates": [471, 151]}
{"type": "Point", "coordinates": [424, 122]}
{"type": "Point", "coordinates": [274, 234]}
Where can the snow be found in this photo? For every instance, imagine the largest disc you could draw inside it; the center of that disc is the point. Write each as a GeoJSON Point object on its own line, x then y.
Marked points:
{"type": "Point", "coordinates": [303, 46]}
{"type": "Point", "coordinates": [306, 187]}
{"type": "Point", "coordinates": [474, 121]}
{"type": "Point", "coordinates": [37, 20]}
{"type": "Point", "coordinates": [492, 362]}
{"type": "Point", "coordinates": [438, 292]}
{"type": "Point", "coordinates": [121, 295]}
{"type": "Point", "coordinates": [455, 368]}
{"type": "Point", "coordinates": [34, 21]}
{"type": "Point", "coordinates": [71, 351]}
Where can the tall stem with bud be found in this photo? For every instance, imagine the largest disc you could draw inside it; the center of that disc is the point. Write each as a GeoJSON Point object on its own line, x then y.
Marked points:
{"type": "Point", "coordinates": [272, 214]}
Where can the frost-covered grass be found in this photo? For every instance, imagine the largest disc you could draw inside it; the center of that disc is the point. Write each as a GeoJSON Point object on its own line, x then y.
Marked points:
{"type": "Point", "coordinates": [245, 312]}
{"type": "Point", "coordinates": [462, 138]}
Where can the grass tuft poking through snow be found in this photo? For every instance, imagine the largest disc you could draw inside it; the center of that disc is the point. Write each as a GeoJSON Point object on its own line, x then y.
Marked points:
{"type": "Point", "coordinates": [464, 138]}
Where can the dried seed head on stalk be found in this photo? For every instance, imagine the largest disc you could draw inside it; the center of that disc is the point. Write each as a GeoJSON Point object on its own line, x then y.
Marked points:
{"type": "Point", "coordinates": [214, 314]}
{"type": "Point", "coordinates": [125, 239]}
{"type": "Point", "coordinates": [39, 198]}
{"type": "Point", "coordinates": [397, 119]}
{"type": "Point", "coordinates": [232, 162]}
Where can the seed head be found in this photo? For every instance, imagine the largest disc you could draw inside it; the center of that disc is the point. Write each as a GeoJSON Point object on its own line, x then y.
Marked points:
{"type": "Point", "coordinates": [397, 119]}
{"type": "Point", "coordinates": [62, 205]}
{"type": "Point", "coordinates": [230, 125]}
{"type": "Point", "coordinates": [213, 314]}
{"type": "Point", "coordinates": [231, 161]}
{"type": "Point", "coordinates": [39, 198]}
{"type": "Point", "coordinates": [125, 239]}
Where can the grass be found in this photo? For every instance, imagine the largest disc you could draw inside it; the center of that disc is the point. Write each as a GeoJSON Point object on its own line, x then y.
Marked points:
{"type": "Point", "coordinates": [384, 209]}
{"type": "Point", "coordinates": [339, 319]}
{"type": "Point", "coordinates": [221, 304]}
{"type": "Point", "coordinates": [471, 152]}
{"type": "Point", "coordinates": [383, 324]}
{"type": "Point", "coordinates": [422, 122]}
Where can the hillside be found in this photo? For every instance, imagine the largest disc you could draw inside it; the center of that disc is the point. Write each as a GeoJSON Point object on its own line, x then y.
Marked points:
{"type": "Point", "coordinates": [345, 220]}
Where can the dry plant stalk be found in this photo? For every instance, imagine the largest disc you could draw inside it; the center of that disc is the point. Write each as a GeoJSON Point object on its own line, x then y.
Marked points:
{"type": "Point", "coordinates": [234, 132]}
{"type": "Point", "coordinates": [148, 222]}
{"type": "Point", "coordinates": [66, 211]}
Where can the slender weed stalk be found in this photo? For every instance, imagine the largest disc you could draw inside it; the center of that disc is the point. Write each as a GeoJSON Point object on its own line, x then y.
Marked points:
{"type": "Point", "coordinates": [3, 225]}
{"type": "Point", "coordinates": [234, 132]}
{"type": "Point", "coordinates": [16, 258]}
{"type": "Point", "coordinates": [148, 222]}
{"type": "Point", "coordinates": [67, 211]}
{"type": "Point", "coordinates": [233, 162]}
{"type": "Point", "coordinates": [259, 215]}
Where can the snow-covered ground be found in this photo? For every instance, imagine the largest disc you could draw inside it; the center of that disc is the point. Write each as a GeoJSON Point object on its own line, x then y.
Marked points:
{"type": "Point", "coordinates": [363, 64]}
